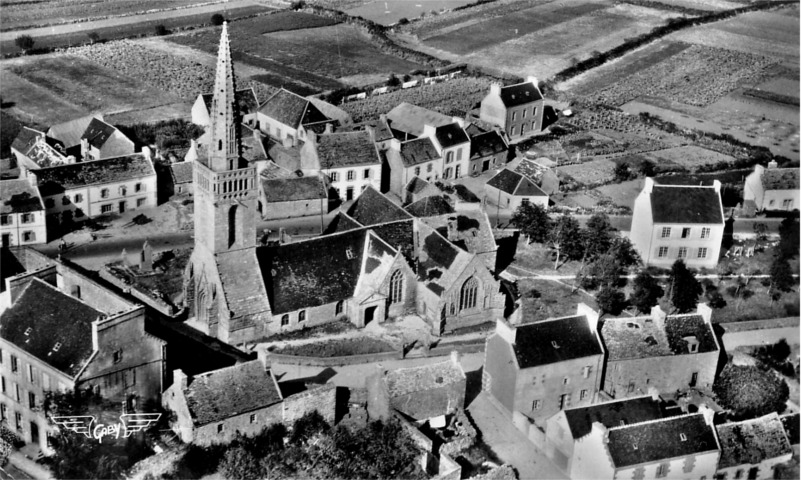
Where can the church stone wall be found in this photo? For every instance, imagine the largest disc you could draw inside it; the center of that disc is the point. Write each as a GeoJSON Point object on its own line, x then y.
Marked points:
{"type": "Point", "coordinates": [322, 399]}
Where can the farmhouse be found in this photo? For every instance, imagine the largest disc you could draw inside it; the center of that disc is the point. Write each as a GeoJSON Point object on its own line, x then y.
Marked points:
{"type": "Point", "coordinates": [350, 161]}
{"type": "Point", "coordinates": [22, 216]}
{"type": "Point", "coordinates": [181, 177]}
{"type": "Point", "coordinates": [76, 191]}
{"type": "Point", "coordinates": [665, 352]}
{"type": "Point", "coordinates": [61, 331]}
{"type": "Point", "coordinates": [453, 146]}
{"type": "Point", "coordinates": [418, 189]}
{"type": "Point", "coordinates": [516, 109]}
{"type": "Point", "coordinates": [487, 150]}
{"type": "Point", "coordinates": [408, 121]}
{"type": "Point", "coordinates": [412, 159]}
{"type": "Point", "coordinates": [101, 140]}
{"type": "Point", "coordinates": [752, 448]}
{"type": "Point", "coordinates": [510, 189]}
{"type": "Point", "coordinates": [535, 370]}
{"type": "Point", "coordinates": [678, 222]}
{"type": "Point", "coordinates": [288, 117]}
{"type": "Point", "coordinates": [772, 188]}
{"type": "Point", "coordinates": [293, 197]}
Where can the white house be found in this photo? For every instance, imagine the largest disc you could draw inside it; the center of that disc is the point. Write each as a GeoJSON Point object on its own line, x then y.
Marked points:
{"type": "Point", "coordinates": [672, 222]}
{"type": "Point", "coordinates": [510, 189]}
{"type": "Point", "coordinates": [416, 158]}
{"type": "Point", "coordinates": [350, 160]}
{"type": "Point", "coordinates": [772, 188]}
{"type": "Point", "coordinates": [22, 216]}
{"type": "Point", "coordinates": [288, 117]}
{"type": "Point", "coordinates": [453, 145]}
{"type": "Point", "coordinates": [517, 109]}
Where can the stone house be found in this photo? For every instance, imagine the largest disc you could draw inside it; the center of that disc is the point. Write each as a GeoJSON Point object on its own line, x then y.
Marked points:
{"type": "Point", "coordinates": [22, 214]}
{"type": "Point", "coordinates": [349, 160]}
{"type": "Point", "coordinates": [418, 189]}
{"type": "Point", "coordinates": [672, 222]}
{"type": "Point", "coordinates": [289, 118]}
{"type": "Point", "coordinates": [77, 191]}
{"type": "Point", "coordinates": [565, 430]}
{"type": "Point", "coordinates": [380, 132]}
{"type": "Point", "coordinates": [101, 140]}
{"type": "Point", "coordinates": [412, 159]}
{"type": "Point", "coordinates": [683, 446]}
{"type": "Point", "coordinates": [517, 109]}
{"type": "Point", "coordinates": [535, 370]}
{"type": "Point", "coordinates": [510, 189]}
{"type": "Point", "coordinates": [752, 448]}
{"type": "Point", "coordinates": [487, 150]}
{"type": "Point", "coordinates": [181, 177]}
{"type": "Point", "coordinates": [59, 330]}
{"type": "Point", "coordinates": [33, 149]}
{"type": "Point", "coordinates": [772, 188]}
{"type": "Point", "coordinates": [293, 197]}
{"type": "Point", "coordinates": [665, 352]}
{"type": "Point", "coordinates": [407, 121]}
{"type": "Point", "coordinates": [69, 133]}
{"type": "Point", "coordinates": [453, 147]}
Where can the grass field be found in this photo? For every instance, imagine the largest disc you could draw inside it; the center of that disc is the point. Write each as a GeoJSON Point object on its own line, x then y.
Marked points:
{"type": "Point", "coordinates": [390, 11]}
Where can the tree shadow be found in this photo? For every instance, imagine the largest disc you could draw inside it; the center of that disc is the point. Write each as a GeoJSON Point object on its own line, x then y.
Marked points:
{"type": "Point", "coordinates": [507, 247]}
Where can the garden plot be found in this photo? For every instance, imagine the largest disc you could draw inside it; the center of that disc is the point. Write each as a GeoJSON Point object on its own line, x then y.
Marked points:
{"type": "Point", "coordinates": [690, 157]}
{"type": "Point", "coordinates": [595, 172]}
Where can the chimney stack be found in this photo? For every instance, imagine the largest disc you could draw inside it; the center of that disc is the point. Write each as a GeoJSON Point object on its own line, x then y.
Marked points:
{"type": "Point", "coordinates": [179, 378]}
{"type": "Point", "coordinates": [772, 164]}
{"type": "Point", "coordinates": [716, 184]}
{"type": "Point", "coordinates": [495, 88]}
{"type": "Point", "coordinates": [649, 185]}
{"type": "Point", "coordinates": [329, 127]}
{"type": "Point", "coordinates": [592, 315]}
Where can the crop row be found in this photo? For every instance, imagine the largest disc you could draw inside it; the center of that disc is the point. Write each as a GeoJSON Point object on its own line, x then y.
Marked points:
{"type": "Point", "coordinates": [453, 98]}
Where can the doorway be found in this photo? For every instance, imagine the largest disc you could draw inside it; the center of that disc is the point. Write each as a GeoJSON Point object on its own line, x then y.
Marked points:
{"type": "Point", "coordinates": [369, 314]}
{"type": "Point", "coordinates": [349, 194]}
{"type": "Point", "coordinates": [694, 379]}
{"type": "Point", "coordinates": [122, 207]}
{"type": "Point", "coordinates": [34, 433]}
{"type": "Point", "coordinates": [6, 240]}
{"type": "Point", "coordinates": [485, 166]}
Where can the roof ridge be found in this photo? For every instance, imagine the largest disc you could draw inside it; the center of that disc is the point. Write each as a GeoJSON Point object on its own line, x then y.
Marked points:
{"type": "Point", "coordinates": [79, 300]}
{"type": "Point", "coordinates": [547, 320]}
{"type": "Point", "coordinates": [665, 419]}
{"type": "Point", "coordinates": [229, 367]}
{"type": "Point", "coordinates": [615, 400]}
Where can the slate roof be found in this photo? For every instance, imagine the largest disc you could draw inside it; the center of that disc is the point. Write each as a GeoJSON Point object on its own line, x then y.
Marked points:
{"type": "Point", "coordinates": [641, 337]}
{"type": "Point", "coordinates": [18, 196]}
{"type": "Point", "coordinates": [792, 425]}
{"type": "Point", "coordinates": [287, 158]}
{"type": "Point", "coordinates": [416, 185]}
{"type": "Point", "coordinates": [751, 442]}
{"type": "Point", "coordinates": [109, 170]}
{"type": "Point", "coordinates": [382, 130]}
{"type": "Point", "coordinates": [487, 144]}
{"type": "Point", "coordinates": [611, 414]}
{"type": "Point", "coordinates": [53, 318]}
{"type": "Point", "coordinates": [440, 262]}
{"type": "Point", "coordinates": [430, 207]}
{"type": "Point", "coordinates": [417, 151]}
{"type": "Point", "coordinates": [400, 235]}
{"type": "Point", "coordinates": [350, 149]}
{"type": "Point", "coordinates": [331, 111]}
{"type": "Point", "coordinates": [372, 208]}
{"type": "Point", "coordinates": [294, 188]}
{"type": "Point", "coordinates": [660, 440]}
{"type": "Point", "coordinates": [514, 183]}
{"type": "Point", "coordinates": [291, 109]}
{"type": "Point", "coordinates": [411, 119]}
{"type": "Point", "coordinates": [71, 132]}
{"type": "Point", "coordinates": [780, 179]}
{"type": "Point", "coordinates": [244, 289]}
{"type": "Point", "coordinates": [405, 381]}
{"type": "Point", "coordinates": [519, 94]}
{"type": "Point", "coordinates": [97, 133]}
{"type": "Point", "coordinates": [451, 135]}
{"type": "Point", "coordinates": [553, 341]}
{"type": "Point", "coordinates": [182, 172]}
{"type": "Point", "coordinates": [245, 98]}
{"type": "Point", "coordinates": [312, 272]}
{"type": "Point", "coordinates": [469, 230]}
{"type": "Point", "coordinates": [224, 393]}
{"type": "Point", "coordinates": [671, 204]}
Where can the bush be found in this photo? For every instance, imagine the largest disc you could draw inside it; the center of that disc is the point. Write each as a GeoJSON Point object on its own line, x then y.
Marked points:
{"type": "Point", "coordinates": [298, 5]}
{"type": "Point", "coordinates": [217, 19]}
{"type": "Point", "coordinates": [161, 30]}
{"type": "Point", "coordinates": [94, 37]}
{"type": "Point", "coordinates": [24, 42]}
{"type": "Point", "coordinates": [750, 391]}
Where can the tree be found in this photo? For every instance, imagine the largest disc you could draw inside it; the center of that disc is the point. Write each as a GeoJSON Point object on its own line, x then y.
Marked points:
{"type": "Point", "coordinates": [684, 288]}
{"type": "Point", "coordinates": [647, 292]}
{"type": "Point", "coordinates": [238, 462]}
{"type": "Point", "coordinates": [781, 275]}
{"type": "Point", "coordinates": [24, 42]}
{"type": "Point", "coordinates": [610, 300]}
{"type": "Point", "coordinates": [598, 236]}
{"type": "Point", "coordinates": [565, 238]}
{"type": "Point", "coordinates": [161, 30]}
{"type": "Point", "coordinates": [393, 81]}
{"type": "Point", "coordinates": [788, 238]}
{"type": "Point", "coordinates": [94, 37]}
{"type": "Point", "coordinates": [761, 231]}
{"type": "Point", "coordinates": [750, 391]}
{"type": "Point", "coordinates": [533, 221]}
{"type": "Point", "coordinates": [623, 172]}
{"type": "Point", "coordinates": [217, 19]}
{"type": "Point", "coordinates": [403, 21]}
{"type": "Point", "coordinates": [623, 251]}
{"type": "Point", "coordinates": [647, 168]}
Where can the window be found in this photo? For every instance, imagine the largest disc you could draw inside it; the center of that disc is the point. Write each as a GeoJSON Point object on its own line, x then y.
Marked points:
{"type": "Point", "coordinates": [3, 411]}
{"type": "Point", "coordinates": [702, 252]}
{"type": "Point", "coordinates": [340, 308]}
{"type": "Point", "coordinates": [685, 233]}
{"type": "Point", "coordinates": [17, 394]}
{"type": "Point", "coordinates": [665, 232]}
{"type": "Point", "coordinates": [140, 202]}
{"type": "Point", "coordinates": [396, 287]}
{"type": "Point", "coordinates": [57, 346]}
{"type": "Point", "coordinates": [117, 356]}
{"type": "Point", "coordinates": [682, 252]}
{"type": "Point", "coordinates": [738, 474]}
{"type": "Point", "coordinates": [30, 374]}
{"type": "Point", "coordinates": [104, 193]}
{"type": "Point", "coordinates": [284, 320]}
{"type": "Point", "coordinates": [447, 174]}
{"type": "Point", "coordinates": [458, 154]}
{"type": "Point", "coordinates": [631, 387]}
{"type": "Point", "coordinates": [139, 187]}
{"type": "Point", "coordinates": [31, 400]}
{"type": "Point", "coordinates": [351, 174]}
{"type": "Point", "coordinates": [253, 418]}
{"type": "Point", "coordinates": [302, 316]}
{"type": "Point", "coordinates": [417, 171]}
{"type": "Point", "coordinates": [334, 176]}
{"type": "Point", "coordinates": [28, 236]}
{"type": "Point", "coordinates": [220, 427]}
{"type": "Point", "coordinates": [536, 404]}
{"type": "Point", "coordinates": [449, 157]}
{"type": "Point", "coordinates": [366, 173]}
{"type": "Point", "coordinates": [457, 172]}
{"type": "Point", "coordinates": [522, 129]}
{"type": "Point", "coordinates": [14, 364]}
{"type": "Point", "coordinates": [78, 198]}
{"type": "Point", "coordinates": [5, 220]}
{"type": "Point", "coordinates": [683, 437]}
{"type": "Point", "coordinates": [662, 470]}
{"type": "Point", "coordinates": [525, 110]}
{"type": "Point", "coordinates": [514, 116]}
{"type": "Point", "coordinates": [3, 380]}
{"type": "Point", "coordinates": [105, 208]}
{"type": "Point", "coordinates": [18, 419]}
{"type": "Point", "coordinates": [565, 380]}
{"type": "Point", "coordinates": [584, 394]}
{"type": "Point", "coordinates": [705, 232]}
{"type": "Point", "coordinates": [663, 252]}
{"type": "Point", "coordinates": [27, 218]}
{"type": "Point", "coordinates": [586, 371]}
{"type": "Point", "coordinates": [469, 293]}
{"type": "Point", "coordinates": [50, 203]}
{"type": "Point", "coordinates": [564, 401]}
{"type": "Point", "coordinates": [430, 167]}
{"type": "Point", "coordinates": [513, 132]}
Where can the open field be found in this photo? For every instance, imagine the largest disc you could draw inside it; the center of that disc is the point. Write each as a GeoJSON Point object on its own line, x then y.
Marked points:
{"type": "Point", "coordinates": [129, 26]}
{"type": "Point", "coordinates": [390, 11]}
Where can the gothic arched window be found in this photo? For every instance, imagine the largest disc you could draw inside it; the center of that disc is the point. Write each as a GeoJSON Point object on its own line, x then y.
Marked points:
{"type": "Point", "coordinates": [396, 287]}
{"type": "Point", "coordinates": [232, 226]}
{"type": "Point", "coordinates": [340, 307]}
{"type": "Point", "coordinates": [469, 293]}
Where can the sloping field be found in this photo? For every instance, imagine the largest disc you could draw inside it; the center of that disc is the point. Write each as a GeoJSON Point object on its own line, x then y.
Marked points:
{"type": "Point", "coordinates": [390, 11]}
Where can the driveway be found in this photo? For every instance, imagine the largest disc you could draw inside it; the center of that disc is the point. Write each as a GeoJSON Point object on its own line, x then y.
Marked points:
{"type": "Point", "coordinates": [508, 443]}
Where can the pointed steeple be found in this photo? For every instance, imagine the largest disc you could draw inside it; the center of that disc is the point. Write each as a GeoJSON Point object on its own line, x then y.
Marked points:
{"type": "Point", "coordinates": [224, 145]}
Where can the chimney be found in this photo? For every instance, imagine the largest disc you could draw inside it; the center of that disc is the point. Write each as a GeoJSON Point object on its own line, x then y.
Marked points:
{"type": "Point", "coordinates": [147, 153]}
{"type": "Point", "coordinates": [649, 185]}
{"type": "Point", "coordinates": [179, 378]}
{"type": "Point", "coordinates": [95, 340]}
{"type": "Point", "coordinates": [311, 137]}
{"type": "Point", "coordinates": [395, 144]}
{"type": "Point", "coordinates": [592, 315]}
{"type": "Point", "coordinates": [455, 357]}
{"type": "Point", "coordinates": [329, 127]}
{"type": "Point", "coordinates": [370, 131]}
{"type": "Point", "coordinates": [124, 257]}
{"type": "Point", "coordinates": [708, 413]}
{"type": "Point", "coordinates": [505, 331]}
{"type": "Point", "coordinates": [654, 393]}
{"type": "Point", "coordinates": [705, 311]}
{"type": "Point", "coordinates": [146, 258]}
{"type": "Point", "coordinates": [458, 120]}
{"type": "Point", "coordinates": [264, 356]}
{"type": "Point", "coordinates": [429, 131]}
{"type": "Point", "coordinates": [716, 184]}
{"type": "Point", "coordinates": [533, 81]}
{"type": "Point", "coordinates": [452, 228]}
{"type": "Point", "coordinates": [772, 164]}
{"type": "Point", "coordinates": [495, 88]}
{"type": "Point", "coordinates": [658, 315]}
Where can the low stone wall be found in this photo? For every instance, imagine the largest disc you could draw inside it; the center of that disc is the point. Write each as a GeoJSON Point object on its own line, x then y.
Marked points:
{"type": "Point", "coordinates": [285, 359]}
{"type": "Point", "coordinates": [759, 332]}
{"type": "Point", "coordinates": [322, 399]}
{"type": "Point", "coordinates": [446, 349]}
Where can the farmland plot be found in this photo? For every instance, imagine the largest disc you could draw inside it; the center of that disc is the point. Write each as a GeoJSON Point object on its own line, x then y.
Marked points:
{"type": "Point", "coordinates": [390, 11]}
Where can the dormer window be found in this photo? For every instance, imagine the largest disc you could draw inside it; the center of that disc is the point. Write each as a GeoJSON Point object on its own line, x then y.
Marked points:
{"type": "Point", "coordinates": [28, 331]}
{"type": "Point", "coordinates": [554, 344]}
{"type": "Point", "coordinates": [57, 346]}
{"type": "Point", "coordinates": [349, 253]}
{"type": "Point", "coordinates": [683, 437]}
{"type": "Point", "coordinates": [635, 446]}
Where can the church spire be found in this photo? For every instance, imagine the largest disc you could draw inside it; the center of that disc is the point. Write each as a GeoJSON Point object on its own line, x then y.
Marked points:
{"type": "Point", "coordinates": [224, 145]}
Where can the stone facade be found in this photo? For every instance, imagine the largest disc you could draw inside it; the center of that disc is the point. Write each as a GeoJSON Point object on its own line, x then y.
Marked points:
{"type": "Point", "coordinates": [321, 399]}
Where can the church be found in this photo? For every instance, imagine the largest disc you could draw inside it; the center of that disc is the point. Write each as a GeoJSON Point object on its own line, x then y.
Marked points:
{"type": "Point", "coordinates": [241, 292]}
